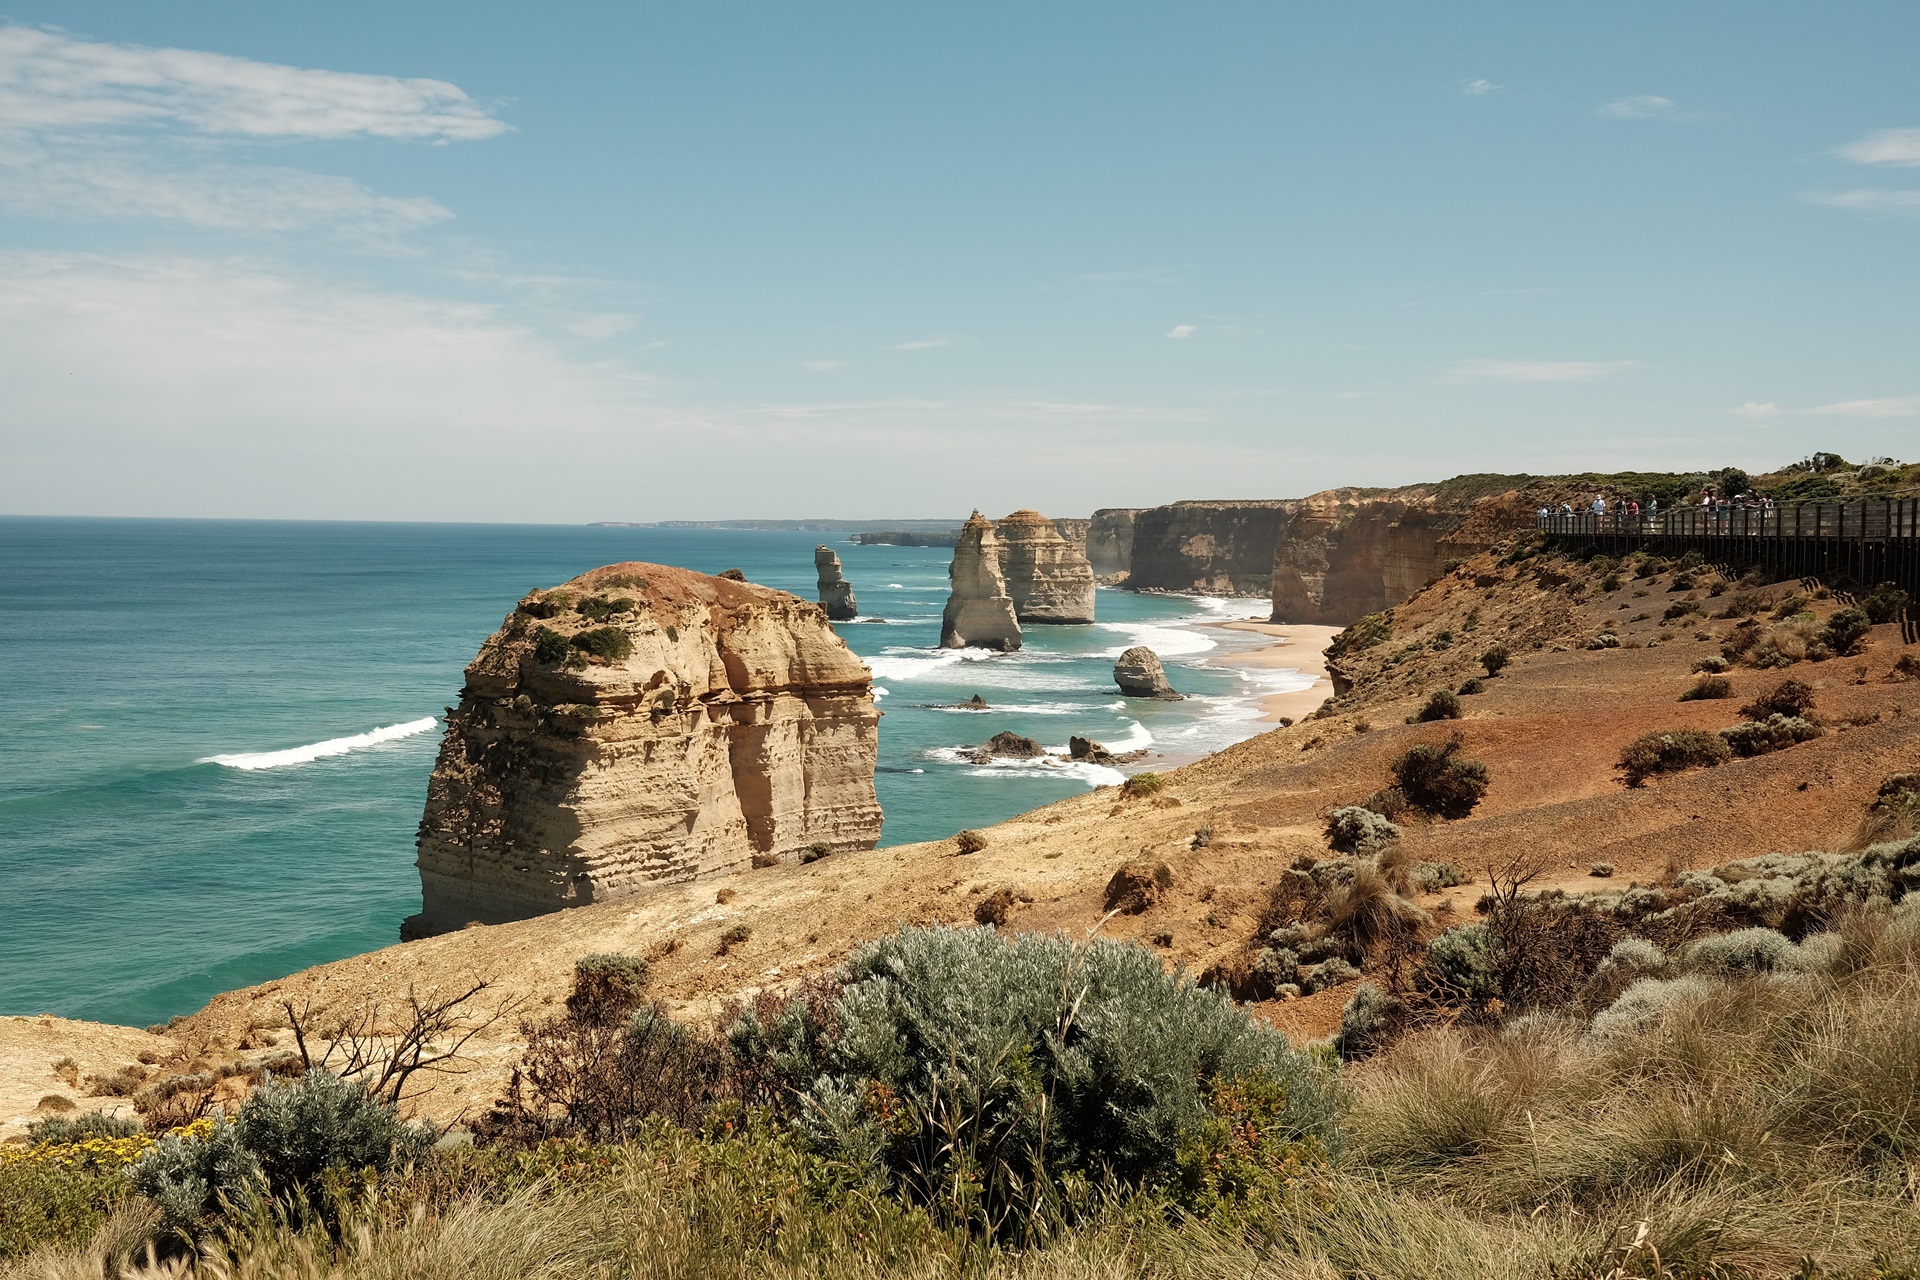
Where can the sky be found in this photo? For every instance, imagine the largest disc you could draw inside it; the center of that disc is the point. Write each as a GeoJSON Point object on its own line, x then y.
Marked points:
{"type": "Point", "coordinates": [640, 261]}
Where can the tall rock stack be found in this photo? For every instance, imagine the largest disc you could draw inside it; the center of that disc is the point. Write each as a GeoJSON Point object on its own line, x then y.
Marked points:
{"type": "Point", "coordinates": [643, 724]}
{"type": "Point", "coordinates": [1047, 576]}
{"type": "Point", "coordinates": [836, 593]}
{"type": "Point", "coordinates": [979, 612]}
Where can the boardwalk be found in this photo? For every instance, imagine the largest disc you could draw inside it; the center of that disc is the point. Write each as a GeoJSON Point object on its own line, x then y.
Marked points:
{"type": "Point", "coordinates": [1848, 544]}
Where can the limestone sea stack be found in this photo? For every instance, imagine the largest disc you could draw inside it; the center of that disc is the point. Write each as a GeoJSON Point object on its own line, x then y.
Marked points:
{"type": "Point", "coordinates": [1139, 674]}
{"type": "Point", "coordinates": [643, 724]}
{"type": "Point", "coordinates": [836, 593]}
{"type": "Point", "coordinates": [979, 612]}
{"type": "Point", "coordinates": [1048, 577]}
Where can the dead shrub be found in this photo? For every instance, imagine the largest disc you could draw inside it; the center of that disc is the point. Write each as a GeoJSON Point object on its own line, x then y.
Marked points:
{"type": "Point", "coordinates": [1788, 698]}
{"type": "Point", "coordinates": [1671, 752]}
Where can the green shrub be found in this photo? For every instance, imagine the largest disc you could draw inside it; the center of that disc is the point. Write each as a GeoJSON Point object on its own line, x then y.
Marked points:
{"type": "Point", "coordinates": [1430, 876]}
{"type": "Point", "coordinates": [53, 1204]}
{"type": "Point", "coordinates": [1756, 950]}
{"type": "Point", "coordinates": [1775, 733]}
{"type": "Point", "coordinates": [607, 985]}
{"type": "Point", "coordinates": [1442, 704]}
{"type": "Point", "coordinates": [1844, 630]}
{"type": "Point", "coordinates": [815, 851]}
{"type": "Point", "coordinates": [1713, 664]}
{"type": "Point", "coordinates": [1788, 698]}
{"type": "Point", "coordinates": [1790, 607]}
{"type": "Point", "coordinates": [1471, 685]}
{"type": "Point", "coordinates": [1605, 640]}
{"type": "Point", "coordinates": [970, 841]}
{"type": "Point", "coordinates": [1671, 752]}
{"type": "Point", "coordinates": [984, 1074]}
{"type": "Point", "coordinates": [89, 1124]}
{"type": "Point", "coordinates": [1708, 687]}
{"type": "Point", "coordinates": [1680, 609]}
{"type": "Point", "coordinates": [1496, 659]}
{"type": "Point", "coordinates": [1142, 784]}
{"type": "Point", "coordinates": [549, 647]}
{"type": "Point", "coordinates": [1887, 603]}
{"type": "Point", "coordinates": [1368, 1021]}
{"type": "Point", "coordinates": [609, 644]}
{"type": "Point", "coordinates": [1352, 828]}
{"type": "Point", "coordinates": [287, 1135]}
{"type": "Point", "coordinates": [600, 608]}
{"type": "Point", "coordinates": [1463, 965]}
{"type": "Point", "coordinates": [1435, 780]}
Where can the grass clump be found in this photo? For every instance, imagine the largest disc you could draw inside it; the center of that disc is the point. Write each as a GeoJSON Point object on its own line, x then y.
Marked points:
{"type": "Point", "coordinates": [1142, 784]}
{"type": "Point", "coordinates": [609, 644]}
{"type": "Point", "coordinates": [1708, 687]}
{"type": "Point", "coordinates": [1671, 752]}
{"type": "Point", "coordinates": [969, 841]}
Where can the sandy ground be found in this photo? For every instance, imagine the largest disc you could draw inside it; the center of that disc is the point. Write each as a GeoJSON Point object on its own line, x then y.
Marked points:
{"type": "Point", "coordinates": [45, 1063]}
{"type": "Point", "coordinates": [1296, 647]}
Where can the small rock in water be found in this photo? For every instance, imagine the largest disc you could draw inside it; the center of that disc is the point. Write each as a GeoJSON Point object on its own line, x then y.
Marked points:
{"type": "Point", "coordinates": [1140, 675]}
{"type": "Point", "coordinates": [1088, 750]}
{"type": "Point", "coordinates": [975, 703]}
{"type": "Point", "coordinates": [1008, 746]}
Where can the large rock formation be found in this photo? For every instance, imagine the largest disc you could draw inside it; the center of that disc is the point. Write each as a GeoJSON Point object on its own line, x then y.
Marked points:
{"type": "Point", "coordinates": [836, 593]}
{"type": "Point", "coordinates": [1110, 541]}
{"type": "Point", "coordinates": [641, 724]}
{"type": "Point", "coordinates": [1346, 553]}
{"type": "Point", "coordinates": [1047, 576]}
{"type": "Point", "coordinates": [1210, 548]}
{"type": "Point", "coordinates": [1073, 530]}
{"type": "Point", "coordinates": [1139, 674]}
{"type": "Point", "coordinates": [979, 612]}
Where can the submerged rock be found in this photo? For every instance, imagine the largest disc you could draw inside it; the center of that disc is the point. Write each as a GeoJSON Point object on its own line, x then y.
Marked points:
{"type": "Point", "coordinates": [1048, 577]}
{"type": "Point", "coordinates": [643, 724]}
{"type": "Point", "coordinates": [1139, 674]}
{"type": "Point", "coordinates": [836, 593]}
{"type": "Point", "coordinates": [979, 612]}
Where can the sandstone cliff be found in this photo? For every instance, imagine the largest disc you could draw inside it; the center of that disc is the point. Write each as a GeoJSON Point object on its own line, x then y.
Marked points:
{"type": "Point", "coordinates": [836, 593]}
{"type": "Point", "coordinates": [979, 612]}
{"type": "Point", "coordinates": [1213, 548]}
{"type": "Point", "coordinates": [643, 724]}
{"type": "Point", "coordinates": [1110, 541]}
{"type": "Point", "coordinates": [1074, 531]}
{"type": "Point", "coordinates": [1047, 576]}
{"type": "Point", "coordinates": [1346, 553]}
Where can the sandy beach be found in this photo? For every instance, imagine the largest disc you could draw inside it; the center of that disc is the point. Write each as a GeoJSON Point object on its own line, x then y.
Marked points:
{"type": "Point", "coordinates": [1296, 646]}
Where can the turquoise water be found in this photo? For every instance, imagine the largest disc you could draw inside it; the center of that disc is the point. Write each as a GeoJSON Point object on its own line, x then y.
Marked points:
{"type": "Point", "coordinates": [138, 876]}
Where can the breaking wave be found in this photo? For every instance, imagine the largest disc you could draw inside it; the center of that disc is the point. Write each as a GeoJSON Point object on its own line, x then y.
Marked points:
{"type": "Point", "coordinates": [250, 760]}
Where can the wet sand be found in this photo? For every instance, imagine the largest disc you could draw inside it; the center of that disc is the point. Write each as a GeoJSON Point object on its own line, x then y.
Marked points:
{"type": "Point", "coordinates": [1296, 646]}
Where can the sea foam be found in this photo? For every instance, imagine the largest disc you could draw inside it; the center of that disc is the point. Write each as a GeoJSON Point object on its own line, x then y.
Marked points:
{"type": "Point", "coordinates": [316, 750]}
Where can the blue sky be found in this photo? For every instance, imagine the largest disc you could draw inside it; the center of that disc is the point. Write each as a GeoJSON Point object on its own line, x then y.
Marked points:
{"type": "Point", "coordinates": [640, 261]}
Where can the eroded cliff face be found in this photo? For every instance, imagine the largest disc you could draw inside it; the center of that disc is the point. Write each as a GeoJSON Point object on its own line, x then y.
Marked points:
{"type": "Point", "coordinates": [1346, 553]}
{"type": "Point", "coordinates": [1210, 548]}
{"type": "Point", "coordinates": [1073, 530]}
{"type": "Point", "coordinates": [643, 724]}
{"type": "Point", "coordinates": [1047, 577]}
{"type": "Point", "coordinates": [979, 612]}
{"type": "Point", "coordinates": [1110, 541]}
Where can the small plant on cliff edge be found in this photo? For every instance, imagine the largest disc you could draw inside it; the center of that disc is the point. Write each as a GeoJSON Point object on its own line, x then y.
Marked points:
{"type": "Point", "coordinates": [969, 841]}
{"type": "Point", "coordinates": [1437, 781]}
{"type": "Point", "coordinates": [815, 851]}
{"type": "Point", "coordinates": [1496, 659]}
{"type": "Point", "coordinates": [1142, 784]}
{"type": "Point", "coordinates": [610, 644]}
{"type": "Point", "coordinates": [606, 985]}
{"type": "Point", "coordinates": [549, 647]}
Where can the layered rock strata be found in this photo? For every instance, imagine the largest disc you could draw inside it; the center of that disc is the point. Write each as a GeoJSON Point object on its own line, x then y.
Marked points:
{"type": "Point", "coordinates": [643, 724]}
{"type": "Point", "coordinates": [1048, 578]}
{"type": "Point", "coordinates": [836, 593]}
{"type": "Point", "coordinates": [1209, 548]}
{"type": "Point", "coordinates": [1346, 553]}
{"type": "Point", "coordinates": [1140, 674]}
{"type": "Point", "coordinates": [1110, 541]}
{"type": "Point", "coordinates": [979, 612]}
{"type": "Point", "coordinates": [1074, 531]}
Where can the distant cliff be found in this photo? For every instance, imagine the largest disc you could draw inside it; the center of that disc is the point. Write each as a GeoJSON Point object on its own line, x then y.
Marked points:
{"type": "Point", "coordinates": [1109, 540]}
{"type": "Point", "coordinates": [640, 724]}
{"type": "Point", "coordinates": [1210, 548]}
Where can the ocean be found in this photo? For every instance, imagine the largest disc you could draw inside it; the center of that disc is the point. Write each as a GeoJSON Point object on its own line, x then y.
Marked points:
{"type": "Point", "coordinates": [215, 736]}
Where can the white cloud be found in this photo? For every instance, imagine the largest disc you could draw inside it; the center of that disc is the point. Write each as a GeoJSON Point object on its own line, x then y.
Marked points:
{"type": "Point", "coordinates": [1180, 331]}
{"type": "Point", "coordinates": [1869, 201]}
{"type": "Point", "coordinates": [1479, 88]}
{"type": "Point", "coordinates": [822, 366]}
{"type": "Point", "coordinates": [1639, 107]}
{"type": "Point", "coordinates": [606, 325]}
{"type": "Point", "coordinates": [50, 80]}
{"type": "Point", "coordinates": [90, 185]}
{"type": "Point", "coordinates": [1537, 370]}
{"type": "Point", "coordinates": [1889, 407]}
{"type": "Point", "coordinates": [923, 344]}
{"type": "Point", "coordinates": [1885, 146]}
{"type": "Point", "coordinates": [1755, 409]}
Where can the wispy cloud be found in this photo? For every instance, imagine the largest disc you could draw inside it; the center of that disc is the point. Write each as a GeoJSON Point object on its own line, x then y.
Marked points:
{"type": "Point", "coordinates": [1479, 88]}
{"type": "Point", "coordinates": [1887, 407]}
{"type": "Point", "coordinates": [923, 344]}
{"type": "Point", "coordinates": [821, 366]}
{"type": "Point", "coordinates": [1885, 146]}
{"type": "Point", "coordinates": [605, 325]}
{"type": "Point", "coordinates": [1896, 202]}
{"type": "Point", "coordinates": [95, 132]}
{"type": "Point", "coordinates": [1181, 331]}
{"type": "Point", "coordinates": [1537, 370]}
{"type": "Point", "coordinates": [51, 80]}
{"type": "Point", "coordinates": [1755, 410]}
{"type": "Point", "coordinates": [1642, 106]}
